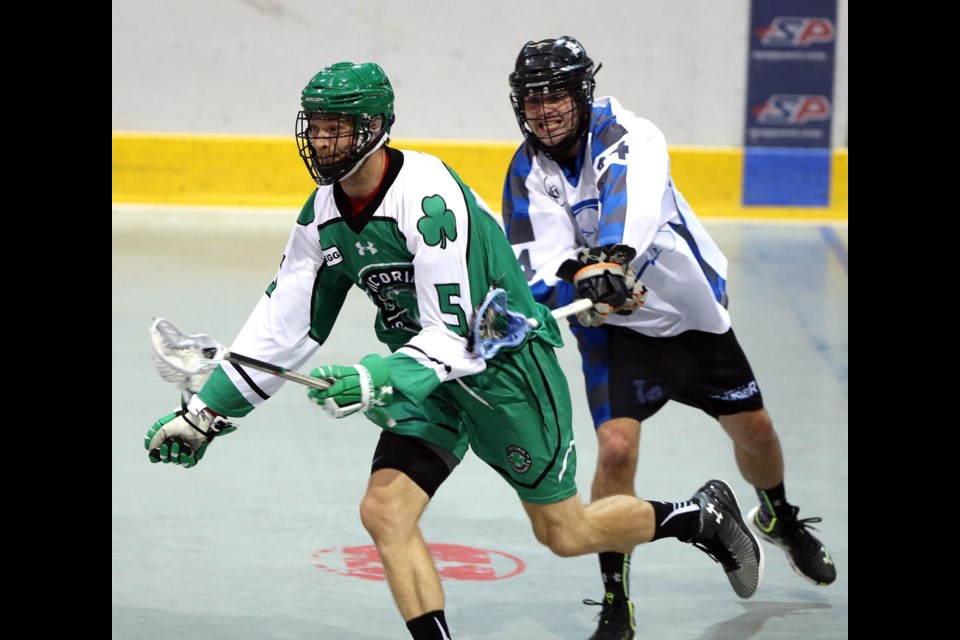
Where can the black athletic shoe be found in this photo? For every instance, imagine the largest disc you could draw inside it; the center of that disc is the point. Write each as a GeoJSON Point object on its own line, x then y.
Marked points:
{"type": "Point", "coordinates": [616, 619]}
{"type": "Point", "coordinates": [807, 555]}
{"type": "Point", "coordinates": [724, 536]}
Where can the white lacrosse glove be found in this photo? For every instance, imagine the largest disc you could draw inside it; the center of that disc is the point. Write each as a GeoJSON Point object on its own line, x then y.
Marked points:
{"type": "Point", "coordinates": [600, 274]}
{"type": "Point", "coordinates": [361, 387]}
{"type": "Point", "coordinates": [637, 293]}
{"type": "Point", "coordinates": [182, 437]}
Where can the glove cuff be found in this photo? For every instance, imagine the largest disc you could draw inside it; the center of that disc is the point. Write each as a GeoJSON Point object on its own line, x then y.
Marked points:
{"type": "Point", "coordinates": [196, 405]}
{"type": "Point", "coordinates": [378, 368]}
{"type": "Point", "coordinates": [374, 374]}
{"type": "Point", "coordinates": [211, 422]}
{"type": "Point", "coordinates": [597, 268]}
{"type": "Point", "coordinates": [366, 386]}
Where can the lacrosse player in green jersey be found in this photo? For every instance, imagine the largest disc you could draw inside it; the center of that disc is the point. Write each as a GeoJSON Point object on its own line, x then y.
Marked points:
{"type": "Point", "coordinates": [403, 228]}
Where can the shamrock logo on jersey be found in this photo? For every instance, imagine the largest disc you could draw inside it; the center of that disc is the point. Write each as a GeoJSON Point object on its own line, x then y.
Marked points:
{"type": "Point", "coordinates": [438, 224]}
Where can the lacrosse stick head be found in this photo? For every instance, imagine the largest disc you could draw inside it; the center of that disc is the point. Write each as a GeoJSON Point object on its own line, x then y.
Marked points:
{"type": "Point", "coordinates": [185, 359]}
{"type": "Point", "coordinates": [495, 326]}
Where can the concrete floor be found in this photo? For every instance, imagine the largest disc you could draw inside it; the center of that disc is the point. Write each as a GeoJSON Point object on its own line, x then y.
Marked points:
{"type": "Point", "coordinates": [263, 539]}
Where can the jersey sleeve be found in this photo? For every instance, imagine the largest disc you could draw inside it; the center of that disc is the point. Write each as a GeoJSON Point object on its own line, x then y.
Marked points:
{"type": "Point", "coordinates": [632, 165]}
{"type": "Point", "coordinates": [282, 328]}
{"type": "Point", "coordinates": [437, 228]}
{"type": "Point", "coordinates": [540, 230]}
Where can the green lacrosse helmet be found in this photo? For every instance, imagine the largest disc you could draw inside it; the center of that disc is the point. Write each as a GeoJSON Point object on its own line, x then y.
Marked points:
{"type": "Point", "coordinates": [358, 94]}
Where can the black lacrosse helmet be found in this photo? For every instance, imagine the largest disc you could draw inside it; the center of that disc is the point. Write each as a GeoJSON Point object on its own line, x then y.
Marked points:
{"type": "Point", "coordinates": [548, 66]}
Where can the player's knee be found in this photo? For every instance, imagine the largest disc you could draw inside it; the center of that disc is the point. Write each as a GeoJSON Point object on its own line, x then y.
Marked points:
{"type": "Point", "coordinates": [761, 426]}
{"type": "Point", "coordinates": [557, 540]}
{"type": "Point", "coordinates": [617, 453]}
{"type": "Point", "coordinates": [757, 431]}
{"type": "Point", "coordinates": [564, 546]}
{"type": "Point", "coordinates": [618, 441]}
{"type": "Point", "coordinates": [381, 513]}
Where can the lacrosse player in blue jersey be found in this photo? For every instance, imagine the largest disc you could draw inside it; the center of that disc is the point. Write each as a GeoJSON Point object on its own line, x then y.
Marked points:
{"type": "Point", "coordinates": [588, 191]}
{"type": "Point", "coordinates": [403, 228]}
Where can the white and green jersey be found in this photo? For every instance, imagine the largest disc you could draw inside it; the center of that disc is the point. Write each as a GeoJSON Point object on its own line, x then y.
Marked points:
{"type": "Point", "coordinates": [425, 251]}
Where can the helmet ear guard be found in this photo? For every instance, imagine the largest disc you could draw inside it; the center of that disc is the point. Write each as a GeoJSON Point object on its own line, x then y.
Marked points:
{"type": "Point", "coordinates": [549, 66]}
{"type": "Point", "coordinates": [360, 94]}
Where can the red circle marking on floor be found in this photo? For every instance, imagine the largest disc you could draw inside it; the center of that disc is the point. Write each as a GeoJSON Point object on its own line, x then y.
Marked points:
{"type": "Point", "coordinates": [454, 562]}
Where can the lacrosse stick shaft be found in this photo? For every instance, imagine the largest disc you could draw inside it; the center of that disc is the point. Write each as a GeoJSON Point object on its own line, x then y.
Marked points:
{"type": "Point", "coordinates": [567, 310]}
{"type": "Point", "coordinates": [294, 376]}
{"type": "Point", "coordinates": [323, 383]}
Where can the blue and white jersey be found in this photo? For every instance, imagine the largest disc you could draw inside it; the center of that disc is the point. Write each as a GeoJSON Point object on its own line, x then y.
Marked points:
{"type": "Point", "coordinates": [620, 191]}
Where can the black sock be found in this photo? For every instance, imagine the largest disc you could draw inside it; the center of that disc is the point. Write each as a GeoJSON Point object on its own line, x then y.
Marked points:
{"type": "Point", "coordinates": [429, 626]}
{"type": "Point", "coordinates": [773, 500]}
{"type": "Point", "coordinates": [615, 570]}
{"type": "Point", "coordinates": [675, 519]}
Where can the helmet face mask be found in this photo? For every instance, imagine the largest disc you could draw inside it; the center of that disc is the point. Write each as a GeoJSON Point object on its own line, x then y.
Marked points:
{"type": "Point", "coordinates": [551, 89]}
{"type": "Point", "coordinates": [552, 119]}
{"type": "Point", "coordinates": [347, 112]}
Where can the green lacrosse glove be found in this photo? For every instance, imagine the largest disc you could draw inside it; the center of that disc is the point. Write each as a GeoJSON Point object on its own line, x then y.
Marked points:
{"type": "Point", "coordinates": [361, 387]}
{"type": "Point", "coordinates": [182, 437]}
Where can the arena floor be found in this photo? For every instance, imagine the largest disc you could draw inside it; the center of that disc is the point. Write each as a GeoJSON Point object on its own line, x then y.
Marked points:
{"type": "Point", "coordinates": [263, 540]}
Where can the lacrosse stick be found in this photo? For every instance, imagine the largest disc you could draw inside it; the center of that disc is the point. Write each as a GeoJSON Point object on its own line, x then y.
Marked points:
{"type": "Point", "coordinates": [496, 326]}
{"type": "Point", "coordinates": [188, 359]}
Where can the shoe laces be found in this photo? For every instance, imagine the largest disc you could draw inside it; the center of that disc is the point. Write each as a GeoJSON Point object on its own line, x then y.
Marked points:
{"type": "Point", "coordinates": [610, 614]}
{"type": "Point", "coordinates": [797, 529]}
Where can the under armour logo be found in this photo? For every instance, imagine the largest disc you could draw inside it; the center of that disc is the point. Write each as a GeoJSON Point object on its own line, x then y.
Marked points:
{"type": "Point", "coordinates": [716, 512]}
{"type": "Point", "coordinates": [362, 250]}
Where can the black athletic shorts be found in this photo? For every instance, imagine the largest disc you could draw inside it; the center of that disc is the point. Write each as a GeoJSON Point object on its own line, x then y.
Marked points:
{"type": "Point", "coordinates": [423, 462]}
{"type": "Point", "coordinates": [630, 375]}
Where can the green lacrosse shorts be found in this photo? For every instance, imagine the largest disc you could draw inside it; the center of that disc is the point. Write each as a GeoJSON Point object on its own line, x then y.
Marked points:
{"type": "Point", "coordinates": [516, 416]}
{"type": "Point", "coordinates": [519, 420]}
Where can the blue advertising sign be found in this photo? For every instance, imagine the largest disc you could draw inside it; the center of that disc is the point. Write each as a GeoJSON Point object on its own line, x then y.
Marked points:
{"type": "Point", "coordinates": [789, 102]}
